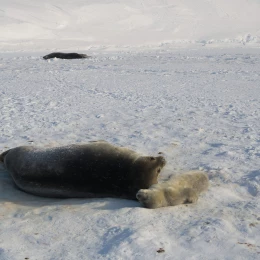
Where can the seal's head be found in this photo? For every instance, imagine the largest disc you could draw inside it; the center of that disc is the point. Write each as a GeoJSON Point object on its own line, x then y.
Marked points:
{"type": "Point", "coordinates": [145, 172]}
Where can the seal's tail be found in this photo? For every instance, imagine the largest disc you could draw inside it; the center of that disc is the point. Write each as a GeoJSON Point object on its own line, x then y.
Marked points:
{"type": "Point", "coordinates": [2, 155]}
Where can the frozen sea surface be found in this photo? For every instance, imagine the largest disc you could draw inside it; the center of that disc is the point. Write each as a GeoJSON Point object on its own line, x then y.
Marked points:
{"type": "Point", "coordinates": [199, 107]}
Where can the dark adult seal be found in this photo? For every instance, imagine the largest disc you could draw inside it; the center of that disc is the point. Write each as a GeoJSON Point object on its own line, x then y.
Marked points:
{"type": "Point", "coordinates": [96, 169]}
{"type": "Point", "coordinates": [62, 55]}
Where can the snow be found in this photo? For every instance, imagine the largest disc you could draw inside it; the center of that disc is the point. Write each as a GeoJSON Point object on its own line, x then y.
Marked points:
{"type": "Point", "coordinates": [176, 77]}
{"type": "Point", "coordinates": [89, 24]}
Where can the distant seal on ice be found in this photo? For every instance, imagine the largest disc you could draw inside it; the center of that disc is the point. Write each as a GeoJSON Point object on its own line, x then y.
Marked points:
{"type": "Point", "coordinates": [62, 55]}
{"type": "Point", "coordinates": [179, 189]}
{"type": "Point", "coordinates": [95, 169]}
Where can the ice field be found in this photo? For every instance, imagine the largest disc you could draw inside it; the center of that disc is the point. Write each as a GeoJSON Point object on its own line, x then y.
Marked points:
{"type": "Point", "coordinates": [191, 95]}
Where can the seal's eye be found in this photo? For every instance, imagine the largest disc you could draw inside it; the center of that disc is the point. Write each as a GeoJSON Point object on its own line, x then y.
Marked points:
{"type": "Point", "coordinates": [152, 158]}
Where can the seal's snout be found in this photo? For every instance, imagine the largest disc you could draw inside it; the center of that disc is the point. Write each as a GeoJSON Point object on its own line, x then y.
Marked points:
{"type": "Point", "coordinates": [141, 195]}
{"type": "Point", "coordinates": [162, 160]}
{"type": "Point", "coordinates": [138, 196]}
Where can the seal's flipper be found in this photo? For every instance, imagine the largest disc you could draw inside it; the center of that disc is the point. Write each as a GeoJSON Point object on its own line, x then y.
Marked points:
{"type": "Point", "coordinates": [58, 190]}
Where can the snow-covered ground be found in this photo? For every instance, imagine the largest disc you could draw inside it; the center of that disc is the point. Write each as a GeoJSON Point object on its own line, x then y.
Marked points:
{"type": "Point", "coordinates": [147, 87]}
{"type": "Point", "coordinates": [199, 108]}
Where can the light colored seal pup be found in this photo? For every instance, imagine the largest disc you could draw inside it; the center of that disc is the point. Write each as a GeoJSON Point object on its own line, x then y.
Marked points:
{"type": "Point", "coordinates": [95, 169]}
{"type": "Point", "coordinates": [179, 189]}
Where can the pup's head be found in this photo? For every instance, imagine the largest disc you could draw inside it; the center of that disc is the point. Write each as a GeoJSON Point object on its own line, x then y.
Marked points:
{"type": "Point", "coordinates": [151, 198]}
